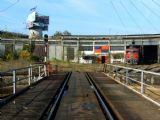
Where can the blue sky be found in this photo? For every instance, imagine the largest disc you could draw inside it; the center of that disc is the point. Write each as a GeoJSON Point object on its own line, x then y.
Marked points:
{"type": "Point", "coordinates": [85, 17]}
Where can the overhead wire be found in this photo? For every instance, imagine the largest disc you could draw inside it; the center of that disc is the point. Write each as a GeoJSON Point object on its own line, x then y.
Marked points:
{"type": "Point", "coordinates": [119, 17]}
{"type": "Point", "coordinates": [13, 4]}
{"type": "Point", "coordinates": [155, 2]}
{"type": "Point", "coordinates": [148, 20]}
{"type": "Point", "coordinates": [152, 11]}
{"type": "Point", "coordinates": [130, 15]}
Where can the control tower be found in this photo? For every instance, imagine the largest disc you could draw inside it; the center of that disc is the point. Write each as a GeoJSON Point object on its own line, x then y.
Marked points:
{"type": "Point", "coordinates": [36, 24]}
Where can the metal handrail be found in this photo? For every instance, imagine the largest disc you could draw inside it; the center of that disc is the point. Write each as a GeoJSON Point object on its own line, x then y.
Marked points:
{"type": "Point", "coordinates": [154, 73]}
{"type": "Point", "coordinates": [41, 72]}
{"type": "Point", "coordinates": [127, 77]}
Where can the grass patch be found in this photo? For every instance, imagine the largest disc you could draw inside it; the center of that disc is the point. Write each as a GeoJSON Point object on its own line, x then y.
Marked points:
{"type": "Point", "coordinates": [69, 66]}
{"type": "Point", "coordinates": [13, 64]}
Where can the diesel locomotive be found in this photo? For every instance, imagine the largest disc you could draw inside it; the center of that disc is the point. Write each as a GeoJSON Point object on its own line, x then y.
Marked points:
{"type": "Point", "coordinates": [132, 55]}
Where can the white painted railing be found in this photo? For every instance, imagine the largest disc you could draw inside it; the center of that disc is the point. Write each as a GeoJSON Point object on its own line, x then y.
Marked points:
{"type": "Point", "coordinates": [16, 79]}
{"type": "Point", "coordinates": [143, 82]}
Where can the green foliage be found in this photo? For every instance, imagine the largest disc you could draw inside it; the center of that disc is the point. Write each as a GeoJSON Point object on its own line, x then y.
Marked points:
{"type": "Point", "coordinates": [35, 58]}
{"type": "Point", "coordinates": [12, 55]}
{"type": "Point", "coordinates": [27, 52]}
{"type": "Point", "coordinates": [26, 47]}
{"type": "Point", "coordinates": [6, 34]}
{"type": "Point", "coordinates": [29, 47]}
{"type": "Point", "coordinates": [58, 34]}
{"type": "Point", "coordinates": [95, 60]}
{"type": "Point", "coordinates": [66, 32]}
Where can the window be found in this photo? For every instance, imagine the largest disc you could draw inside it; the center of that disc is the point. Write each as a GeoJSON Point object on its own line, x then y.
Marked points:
{"type": "Point", "coordinates": [117, 48]}
{"type": "Point", "coordinates": [70, 43]}
{"type": "Point", "coordinates": [86, 43]}
{"type": "Point", "coordinates": [101, 43]}
{"type": "Point", "coordinates": [116, 42]}
{"type": "Point", "coordinates": [86, 48]}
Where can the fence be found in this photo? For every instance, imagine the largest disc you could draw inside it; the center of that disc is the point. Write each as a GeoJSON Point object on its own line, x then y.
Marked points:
{"type": "Point", "coordinates": [143, 82]}
{"type": "Point", "coordinates": [15, 80]}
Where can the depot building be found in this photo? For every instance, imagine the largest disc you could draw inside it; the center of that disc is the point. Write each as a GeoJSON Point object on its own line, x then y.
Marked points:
{"type": "Point", "coordinates": [91, 48]}
{"type": "Point", "coordinates": [110, 49]}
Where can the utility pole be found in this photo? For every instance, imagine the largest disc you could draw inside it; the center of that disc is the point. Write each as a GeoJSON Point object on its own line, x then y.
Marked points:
{"type": "Point", "coordinates": [46, 48]}
{"type": "Point", "coordinates": [46, 52]}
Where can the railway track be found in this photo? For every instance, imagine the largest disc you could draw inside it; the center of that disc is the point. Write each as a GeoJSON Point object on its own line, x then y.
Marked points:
{"type": "Point", "coordinates": [79, 96]}
{"type": "Point", "coordinates": [82, 100]}
{"type": "Point", "coordinates": [96, 96]}
{"type": "Point", "coordinates": [32, 103]}
{"type": "Point", "coordinates": [108, 111]}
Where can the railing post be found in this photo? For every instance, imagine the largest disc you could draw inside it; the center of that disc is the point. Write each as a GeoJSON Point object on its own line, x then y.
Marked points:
{"type": "Point", "coordinates": [14, 81]}
{"type": "Point", "coordinates": [39, 71]}
{"type": "Point", "coordinates": [110, 69]}
{"type": "Point", "coordinates": [104, 68]}
{"type": "Point", "coordinates": [29, 76]}
{"type": "Point", "coordinates": [116, 71]}
{"type": "Point", "coordinates": [45, 70]}
{"type": "Point", "coordinates": [127, 76]}
{"type": "Point", "coordinates": [142, 84]}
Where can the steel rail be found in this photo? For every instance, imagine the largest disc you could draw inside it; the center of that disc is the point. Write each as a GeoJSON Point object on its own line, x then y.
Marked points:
{"type": "Point", "coordinates": [109, 113]}
{"type": "Point", "coordinates": [58, 98]}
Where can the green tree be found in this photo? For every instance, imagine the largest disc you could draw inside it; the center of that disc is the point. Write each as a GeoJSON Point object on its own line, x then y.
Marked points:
{"type": "Point", "coordinates": [29, 47]}
{"type": "Point", "coordinates": [57, 35]}
{"type": "Point", "coordinates": [66, 33]}
{"type": "Point", "coordinates": [27, 52]}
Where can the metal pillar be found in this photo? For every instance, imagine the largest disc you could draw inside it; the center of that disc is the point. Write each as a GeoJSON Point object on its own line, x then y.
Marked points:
{"type": "Point", "coordinates": [127, 76]}
{"type": "Point", "coordinates": [29, 76]}
{"type": "Point", "coordinates": [142, 82]}
{"type": "Point", "coordinates": [14, 81]}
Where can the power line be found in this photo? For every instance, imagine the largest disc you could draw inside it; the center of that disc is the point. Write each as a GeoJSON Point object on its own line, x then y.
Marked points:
{"type": "Point", "coordinates": [155, 2]}
{"type": "Point", "coordinates": [121, 21]}
{"type": "Point", "coordinates": [13, 4]}
{"type": "Point", "coordinates": [132, 3]}
{"type": "Point", "coordinates": [135, 22]}
{"type": "Point", "coordinates": [146, 6]}
{"type": "Point", "coordinates": [36, 1]}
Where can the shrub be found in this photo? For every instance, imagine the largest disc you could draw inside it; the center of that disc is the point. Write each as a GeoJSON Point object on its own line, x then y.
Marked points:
{"type": "Point", "coordinates": [11, 55]}
{"type": "Point", "coordinates": [36, 58]}
{"type": "Point", "coordinates": [25, 55]}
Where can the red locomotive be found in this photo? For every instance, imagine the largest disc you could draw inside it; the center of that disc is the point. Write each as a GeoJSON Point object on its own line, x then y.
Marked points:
{"type": "Point", "coordinates": [132, 55]}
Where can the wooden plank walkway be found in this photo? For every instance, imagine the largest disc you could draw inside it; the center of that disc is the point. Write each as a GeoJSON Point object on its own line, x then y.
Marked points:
{"type": "Point", "coordinates": [128, 104]}
{"type": "Point", "coordinates": [31, 104]}
{"type": "Point", "coordinates": [79, 102]}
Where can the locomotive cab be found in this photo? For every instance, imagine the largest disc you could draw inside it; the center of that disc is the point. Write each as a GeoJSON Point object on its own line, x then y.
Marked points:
{"type": "Point", "coordinates": [132, 55]}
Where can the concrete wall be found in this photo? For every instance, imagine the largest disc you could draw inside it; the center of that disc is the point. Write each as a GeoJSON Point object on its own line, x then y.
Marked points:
{"type": "Point", "coordinates": [18, 47]}
{"type": "Point", "coordinates": [2, 50]}
{"type": "Point", "coordinates": [55, 52]}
